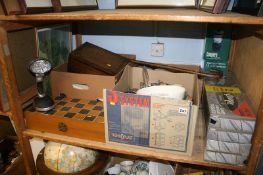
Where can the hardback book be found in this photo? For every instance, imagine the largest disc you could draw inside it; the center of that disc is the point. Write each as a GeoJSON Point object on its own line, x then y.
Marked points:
{"type": "Point", "coordinates": [155, 3]}
{"type": "Point", "coordinates": [71, 5]}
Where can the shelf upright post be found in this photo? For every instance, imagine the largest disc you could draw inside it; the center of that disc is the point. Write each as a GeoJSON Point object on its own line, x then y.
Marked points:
{"type": "Point", "coordinates": [14, 103]}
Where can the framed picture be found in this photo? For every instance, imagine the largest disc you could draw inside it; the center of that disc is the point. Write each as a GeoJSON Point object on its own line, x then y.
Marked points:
{"type": "Point", "coordinates": [155, 3]}
{"type": "Point", "coordinates": [54, 43]}
{"type": "Point", "coordinates": [36, 6]}
{"type": "Point", "coordinates": [207, 5]}
{"type": "Point", "coordinates": [71, 5]}
{"type": "Point", "coordinates": [11, 7]}
{"type": "Point", "coordinates": [214, 6]}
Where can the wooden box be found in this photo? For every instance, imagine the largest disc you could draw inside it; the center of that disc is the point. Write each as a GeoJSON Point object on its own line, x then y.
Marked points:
{"type": "Point", "coordinates": [92, 59]}
{"type": "Point", "coordinates": [71, 117]}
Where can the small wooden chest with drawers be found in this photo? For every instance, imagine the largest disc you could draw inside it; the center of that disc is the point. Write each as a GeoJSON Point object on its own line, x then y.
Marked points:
{"type": "Point", "coordinates": [71, 117]}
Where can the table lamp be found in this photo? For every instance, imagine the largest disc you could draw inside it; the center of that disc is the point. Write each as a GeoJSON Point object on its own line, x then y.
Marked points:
{"type": "Point", "coordinates": [40, 68]}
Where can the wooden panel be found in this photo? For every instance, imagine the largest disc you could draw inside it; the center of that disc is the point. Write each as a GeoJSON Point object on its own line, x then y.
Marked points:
{"type": "Point", "coordinates": [23, 49]}
{"type": "Point", "coordinates": [28, 94]}
{"type": "Point", "coordinates": [248, 64]}
{"type": "Point", "coordinates": [184, 15]}
{"type": "Point", "coordinates": [79, 129]}
{"type": "Point", "coordinates": [143, 28]}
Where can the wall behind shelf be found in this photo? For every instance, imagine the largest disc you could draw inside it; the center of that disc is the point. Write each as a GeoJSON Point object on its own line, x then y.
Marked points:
{"type": "Point", "coordinates": [183, 42]}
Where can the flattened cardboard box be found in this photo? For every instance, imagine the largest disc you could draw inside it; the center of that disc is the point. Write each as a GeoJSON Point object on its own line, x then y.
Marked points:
{"type": "Point", "coordinates": [149, 121]}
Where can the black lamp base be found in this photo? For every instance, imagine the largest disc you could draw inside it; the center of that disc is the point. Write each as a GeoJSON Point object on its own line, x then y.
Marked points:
{"type": "Point", "coordinates": [43, 104]}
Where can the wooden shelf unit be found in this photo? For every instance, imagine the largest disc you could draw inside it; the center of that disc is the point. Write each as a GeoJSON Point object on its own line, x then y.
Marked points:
{"type": "Point", "coordinates": [241, 48]}
{"type": "Point", "coordinates": [176, 15]}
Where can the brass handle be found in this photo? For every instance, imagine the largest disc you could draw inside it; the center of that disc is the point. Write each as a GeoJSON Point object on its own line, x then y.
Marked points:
{"type": "Point", "coordinates": [62, 127]}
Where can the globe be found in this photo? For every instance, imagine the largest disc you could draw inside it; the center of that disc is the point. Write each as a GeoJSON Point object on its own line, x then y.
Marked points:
{"type": "Point", "coordinates": [65, 158]}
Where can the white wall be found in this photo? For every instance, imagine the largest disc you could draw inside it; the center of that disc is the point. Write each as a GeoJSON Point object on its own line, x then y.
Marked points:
{"type": "Point", "coordinates": [176, 50]}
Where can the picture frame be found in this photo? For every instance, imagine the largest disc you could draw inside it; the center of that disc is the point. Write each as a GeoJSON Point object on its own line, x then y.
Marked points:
{"type": "Point", "coordinates": [214, 6]}
{"type": "Point", "coordinates": [74, 5]}
{"type": "Point", "coordinates": [54, 43]}
{"type": "Point", "coordinates": [207, 5]}
{"type": "Point", "coordinates": [11, 7]}
{"type": "Point", "coordinates": [36, 6]}
{"type": "Point", "coordinates": [155, 3]}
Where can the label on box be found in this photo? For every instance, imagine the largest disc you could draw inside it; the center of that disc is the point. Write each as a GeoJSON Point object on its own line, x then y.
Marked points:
{"type": "Point", "coordinates": [223, 89]}
{"type": "Point", "coordinates": [222, 66]}
{"type": "Point", "coordinates": [169, 123]}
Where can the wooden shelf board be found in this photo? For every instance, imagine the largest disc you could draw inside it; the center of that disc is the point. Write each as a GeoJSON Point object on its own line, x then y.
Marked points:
{"type": "Point", "coordinates": [7, 114]}
{"type": "Point", "coordinates": [178, 15]}
{"type": "Point", "coordinates": [196, 159]}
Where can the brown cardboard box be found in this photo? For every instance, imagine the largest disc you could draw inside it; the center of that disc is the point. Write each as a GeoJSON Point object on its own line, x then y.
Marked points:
{"type": "Point", "coordinates": [82, 86]}
{"type": "Point", "coordinates": [135, 120]}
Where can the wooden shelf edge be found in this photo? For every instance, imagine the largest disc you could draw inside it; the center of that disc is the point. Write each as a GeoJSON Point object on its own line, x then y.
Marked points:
{"type": "Point", "coordinates": [7, 114]}
{"type": "Point", "coordinates": [176, 15]}
{"type": "Point", "coordinates": [130, 150]}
